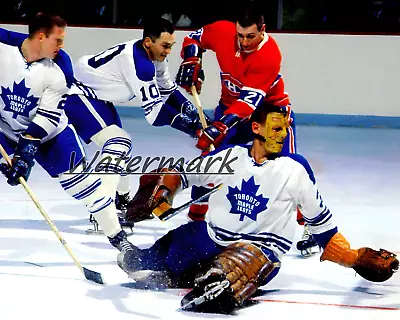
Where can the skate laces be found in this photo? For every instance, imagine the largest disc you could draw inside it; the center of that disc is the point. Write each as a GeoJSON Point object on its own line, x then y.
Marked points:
{"type": "Point", "coordinates": [306, 234]}
{"type": "Point", "coordinates": [125, 246]}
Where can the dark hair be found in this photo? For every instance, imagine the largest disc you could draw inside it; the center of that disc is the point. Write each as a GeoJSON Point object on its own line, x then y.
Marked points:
{"type": "Point", "coordinates": [46, 22]}
{"type": "Point", "coordinates": [259, 115]}
{"type": "Point", "coordinates": [251, 15]}
{"type": "Point", "coordinates": [153, 28]}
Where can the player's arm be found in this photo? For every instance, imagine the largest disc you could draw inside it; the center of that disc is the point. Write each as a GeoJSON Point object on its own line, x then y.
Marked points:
{"type": "Point", "coordinates": [164, 80]}
{"type": "Point", "coordinates": [49, 111]}
{"type": "Point", "coordinates": [190, 72]}
{"type": "Point", "coordinates": [256, 83]}
{"type": "Point", "coordinates": [373, 265]}
{"type": "Point", "coordinates": [45, 121]}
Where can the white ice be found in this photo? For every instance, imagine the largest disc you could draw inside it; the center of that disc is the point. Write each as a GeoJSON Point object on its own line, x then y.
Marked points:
{"type": "Point", "coordinates": [358, 171]}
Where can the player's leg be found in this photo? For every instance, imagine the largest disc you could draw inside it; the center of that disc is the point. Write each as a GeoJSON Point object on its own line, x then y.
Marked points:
{"type": "Point", "coordinates": [98, 121]}
{"type": "Point", "coordinates": [180, 254]}
{"type": "Point", "coordinates": [63, 157]}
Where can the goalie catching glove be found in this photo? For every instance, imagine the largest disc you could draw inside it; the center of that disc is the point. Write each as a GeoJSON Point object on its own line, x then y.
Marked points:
{"type": "Point", "coordinates": [154, 196]}
{"type": "Point", "coordinates": [372, 265]}
{"type": "Point", "coordinates": [232, 278]}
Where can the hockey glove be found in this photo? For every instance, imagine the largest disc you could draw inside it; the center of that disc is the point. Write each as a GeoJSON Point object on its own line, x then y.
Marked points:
{"type": "Point", "coordinates": [154, 196]}
{"type": "Point", "coordinates": [22, 161]}
{"type": "Point", "coordinates": [190, 72]}
{"type": "Point", "coordinates": [372, 265]}
{"type": "Point", "coordinates": [215, 134]}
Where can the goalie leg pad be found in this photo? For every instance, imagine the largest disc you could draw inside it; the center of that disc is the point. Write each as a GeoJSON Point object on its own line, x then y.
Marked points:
{"type": "Point", "coordinates": [244, 266]}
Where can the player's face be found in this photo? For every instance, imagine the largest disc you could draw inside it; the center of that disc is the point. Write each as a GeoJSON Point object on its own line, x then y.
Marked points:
{"type": "Point", "coordinates": [161, 48]}
{"type": "Point", "coordinates": [49, 46]}
{"type": "Point", "coordinates": [274, 131]}
{"type": "Point", "coordinates": [249, 37]}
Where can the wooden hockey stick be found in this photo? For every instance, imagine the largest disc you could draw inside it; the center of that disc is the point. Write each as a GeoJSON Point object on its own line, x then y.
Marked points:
{"type": "Point", "coordinates": [89, 274]}
{"type": "Point", "coordinates": [171, 212]}
{"type": "Point", "coordinates": [199, 108]}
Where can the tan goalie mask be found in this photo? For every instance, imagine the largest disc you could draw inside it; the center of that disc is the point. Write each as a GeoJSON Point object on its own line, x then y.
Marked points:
{"type": "Point", "coordinates": [275, 132]}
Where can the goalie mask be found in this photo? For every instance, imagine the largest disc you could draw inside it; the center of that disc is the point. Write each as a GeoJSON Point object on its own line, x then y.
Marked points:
{"type": "Point", "coordinates": [274, 132]}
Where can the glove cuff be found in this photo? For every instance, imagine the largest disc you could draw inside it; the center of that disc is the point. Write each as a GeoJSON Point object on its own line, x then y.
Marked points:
{"type": "Point", "coordinates": [338, 250]}
{"type": "Point", "coordinates": [191, 51]}
{"type": "Point", "coordinates": [230, 120]}
{"type": "Point", "coordinates": [27, 148]}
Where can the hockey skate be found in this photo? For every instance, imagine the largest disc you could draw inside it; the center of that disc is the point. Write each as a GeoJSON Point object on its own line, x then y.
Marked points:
{"type": "Point", "coordinates": [121, 242]}
{"type": "Point", "coordinates": [210, 294]}
{"type": "Point", "coordinates": [307, 245]}
{"type": "Point", "coordinates": [121, 203]}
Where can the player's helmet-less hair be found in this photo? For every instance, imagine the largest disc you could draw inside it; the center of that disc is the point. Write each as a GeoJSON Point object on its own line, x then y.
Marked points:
{"type": "Point", "coordinates": [154, 28]}
{"type": "Point", "coordinates": [259, 115]}
{"type": "Point", "coordinates": [45, 22]}
{"type": "Point", "coordinates": [251, 15]}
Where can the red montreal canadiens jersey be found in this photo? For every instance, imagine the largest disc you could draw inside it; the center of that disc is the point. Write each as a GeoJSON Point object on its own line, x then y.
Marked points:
{"type": "Point", "coordinates": [246, 77]}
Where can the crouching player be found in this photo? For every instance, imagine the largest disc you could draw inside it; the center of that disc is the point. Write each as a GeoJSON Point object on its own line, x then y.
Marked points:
{"type": "Point", "coordinates": [250, 225]}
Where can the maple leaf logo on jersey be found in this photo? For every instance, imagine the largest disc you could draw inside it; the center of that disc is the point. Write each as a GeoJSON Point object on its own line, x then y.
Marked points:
{"type": "Point", "coordinates": [17, 101]}
{"type": "Point", "coordinates": [245, 201]}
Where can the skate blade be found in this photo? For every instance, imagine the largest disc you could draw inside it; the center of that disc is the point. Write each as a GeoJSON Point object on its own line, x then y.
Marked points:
{"type": "Point", "coordinates": [94, 232]}
{"type": "Point", "coordinates": [128, 231]}
{"type": "Point", "coordinates": [309, 253]}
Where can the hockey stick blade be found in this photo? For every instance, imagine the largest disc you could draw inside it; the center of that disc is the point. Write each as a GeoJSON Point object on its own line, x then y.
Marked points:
{"type": "Point", "coordinates": [93, 276]}
{"type": "Point", "coordinates": [168, 214]}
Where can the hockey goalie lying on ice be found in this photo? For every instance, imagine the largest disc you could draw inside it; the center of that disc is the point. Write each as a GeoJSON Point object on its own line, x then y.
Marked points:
{"type": "Point", "coordinates": [250, 223]}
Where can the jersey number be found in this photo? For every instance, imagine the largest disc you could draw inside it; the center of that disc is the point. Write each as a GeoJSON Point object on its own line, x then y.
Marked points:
{"type": "Point", "coordinates": [106, 56]}
{"type": "Point", "coordinates": [153, 92]}
{"type": "Point", "coordinates": [251, 97]}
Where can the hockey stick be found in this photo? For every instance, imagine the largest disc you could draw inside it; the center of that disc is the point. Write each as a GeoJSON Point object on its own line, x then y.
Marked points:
{"type": "Point", "coordinates": [199, 108]}
{"type": "Point", "coordinates": [171, 212]}
{"type": "Point", "coordinates": [89, 274]}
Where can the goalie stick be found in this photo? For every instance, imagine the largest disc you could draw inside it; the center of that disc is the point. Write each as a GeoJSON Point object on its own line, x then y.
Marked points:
{"type": "Point", "coordinates": [168, 214]}
{"type": "Point", "coordinates": [89, 274]}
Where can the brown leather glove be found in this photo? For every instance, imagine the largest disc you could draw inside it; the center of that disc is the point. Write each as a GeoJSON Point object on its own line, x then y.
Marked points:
{"type": "Point", "coordinates": [154, 196]}
{"type": "Point", "coordinates": [376, 266]}
{"type": "Point", "coordinates": [372, 265]}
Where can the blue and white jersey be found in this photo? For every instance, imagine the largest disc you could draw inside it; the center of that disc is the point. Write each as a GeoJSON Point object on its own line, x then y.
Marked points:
{"type": "Point", "coordinates": [31, 98]}
{"type": "Point", "coordinates": [125, 73]}
{"type": "Point", "coordinates": [258, 203]}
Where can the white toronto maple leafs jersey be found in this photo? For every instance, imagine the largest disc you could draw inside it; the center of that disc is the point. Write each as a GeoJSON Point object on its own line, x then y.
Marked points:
{"type": "Point", "coordinates": [258, 202]}
{"type": "Point", "coordinates": [125, 73]}
{"type": "Point", "coordinates": [31, 98]}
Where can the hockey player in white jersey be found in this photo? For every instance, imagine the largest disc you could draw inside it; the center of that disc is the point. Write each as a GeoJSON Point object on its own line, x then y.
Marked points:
{"type": "Point", "coordinates": [34, 79]}
{"type": "Point", "coordinates": [250, 224]}
{"type": "Point", "coordinates": [136, 71]}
